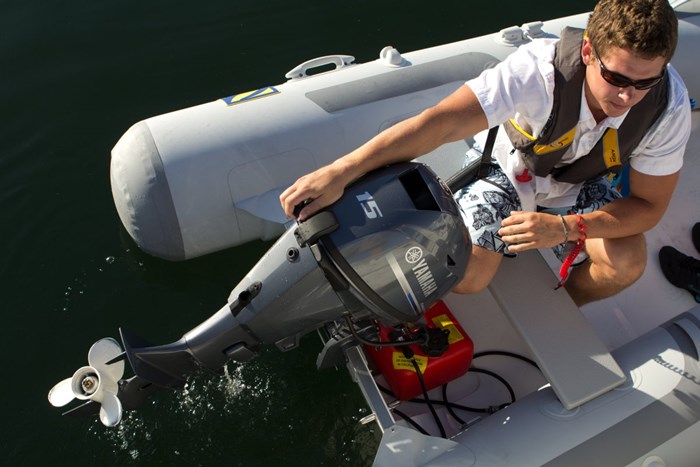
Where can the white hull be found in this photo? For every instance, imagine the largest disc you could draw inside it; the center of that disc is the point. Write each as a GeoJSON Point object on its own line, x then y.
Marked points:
{"type": "Point", "coordinates": [206, 178]}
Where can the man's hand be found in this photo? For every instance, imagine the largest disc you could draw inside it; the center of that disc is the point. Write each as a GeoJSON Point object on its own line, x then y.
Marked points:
{"type": "Point", "coordinates": [313, 192]}
{"type": "Point", "coordinates": [456, 117]}
{"type": "Point", "coordinates": [527, 230]}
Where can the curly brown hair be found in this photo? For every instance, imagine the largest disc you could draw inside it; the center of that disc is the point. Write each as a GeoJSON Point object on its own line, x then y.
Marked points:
{"type": "Point", "coordinates": [647, 28]}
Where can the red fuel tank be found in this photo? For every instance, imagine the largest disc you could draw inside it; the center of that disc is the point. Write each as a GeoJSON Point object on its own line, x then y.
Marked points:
{"type": "Point", "coordinates": [399, 371]}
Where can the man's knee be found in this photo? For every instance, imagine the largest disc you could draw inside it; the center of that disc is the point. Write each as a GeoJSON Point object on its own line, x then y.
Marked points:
{"type": "Point", "coordinates": [631, 267]}
{"type": "Point", "coordinates": [468, 286]}
{"type": "Point", "coordinates": [627, 260]}
{"type": "Point", "coordinates": [481, 269]}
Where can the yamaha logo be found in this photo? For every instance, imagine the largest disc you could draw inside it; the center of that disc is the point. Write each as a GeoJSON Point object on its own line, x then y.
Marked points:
{"type": "Point", "coordinates": [413, 255]}
{"type": "Point", "coordinates": [421, 271]}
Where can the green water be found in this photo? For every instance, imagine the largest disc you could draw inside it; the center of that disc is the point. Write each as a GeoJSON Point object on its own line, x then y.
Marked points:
{"type": "Point", "coordinates": [74, 75]}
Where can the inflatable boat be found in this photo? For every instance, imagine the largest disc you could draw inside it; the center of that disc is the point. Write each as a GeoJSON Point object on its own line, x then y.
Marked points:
{"type": "Point", "coordinates": [514, 375]}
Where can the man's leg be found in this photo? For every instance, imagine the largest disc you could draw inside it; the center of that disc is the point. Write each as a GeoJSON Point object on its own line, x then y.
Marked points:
{"type": "Point", "coordinates": [614, 265]}
{"type": "Point", "coordinates": [481, 268]}
{"type": "Point", "coordinates": [484, 204]}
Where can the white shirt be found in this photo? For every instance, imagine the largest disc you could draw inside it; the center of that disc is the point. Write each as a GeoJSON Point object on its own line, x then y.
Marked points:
{"type": "Point", "coordinates": [522, 87]}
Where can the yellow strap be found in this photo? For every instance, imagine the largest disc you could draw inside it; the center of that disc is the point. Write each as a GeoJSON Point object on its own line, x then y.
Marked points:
{"type": "Point", "coordinates": [611, 150]}
{"type": "Point", "coordinates": [565, 140]}
{"type": "Point", "coordinates": [521, 130]}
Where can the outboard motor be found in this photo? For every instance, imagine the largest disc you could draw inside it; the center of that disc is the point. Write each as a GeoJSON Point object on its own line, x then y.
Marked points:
{"type": "Point", "coordinates": [387, 250]}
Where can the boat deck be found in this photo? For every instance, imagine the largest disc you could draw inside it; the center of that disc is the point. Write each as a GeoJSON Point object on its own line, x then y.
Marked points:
{"type": "Point", "coordinates": [612, 322]}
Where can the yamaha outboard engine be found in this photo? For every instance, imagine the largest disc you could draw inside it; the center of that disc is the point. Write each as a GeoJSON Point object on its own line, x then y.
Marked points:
{"type": "Point", "coordinates": [387, 250]}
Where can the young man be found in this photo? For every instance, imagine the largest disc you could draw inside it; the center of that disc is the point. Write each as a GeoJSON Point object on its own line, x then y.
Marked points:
{"type": "Point", "coordinates": [556, 99]}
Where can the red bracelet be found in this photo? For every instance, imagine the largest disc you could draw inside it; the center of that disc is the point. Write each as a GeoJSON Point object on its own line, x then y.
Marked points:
{"type": "Point", "coordinates": [564, 270]}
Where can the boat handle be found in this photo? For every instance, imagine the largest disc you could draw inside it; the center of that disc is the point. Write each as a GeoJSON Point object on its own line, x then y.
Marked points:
{"type": "Point", "coordinates": [301, 71]}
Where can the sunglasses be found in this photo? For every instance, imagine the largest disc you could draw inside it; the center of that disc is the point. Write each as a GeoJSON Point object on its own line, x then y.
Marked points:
{"type": "Point", "coordinates": [622, 81]}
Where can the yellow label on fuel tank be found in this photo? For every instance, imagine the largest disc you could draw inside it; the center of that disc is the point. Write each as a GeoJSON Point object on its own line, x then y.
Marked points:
{"type": "Point", "coordinates": [400, 362]}
{"type": "Point", "coordinates": [444, 322]}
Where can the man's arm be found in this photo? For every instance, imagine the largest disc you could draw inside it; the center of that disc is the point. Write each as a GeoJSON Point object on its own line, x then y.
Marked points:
{"type": "Point", "coordinates": [640, 211]}
{"type": "Point", "coordinates": [458, 116]}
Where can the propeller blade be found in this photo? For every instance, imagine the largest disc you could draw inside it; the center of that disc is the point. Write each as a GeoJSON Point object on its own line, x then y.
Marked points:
{"type": "Point", "coordinates": [111, 409]}
{"type": "Point", "coordinates": [61, 394]}
{"type": "Point", "coordinates": [102, 352]}
{"type": "Point", "coordinates": [85, 409]}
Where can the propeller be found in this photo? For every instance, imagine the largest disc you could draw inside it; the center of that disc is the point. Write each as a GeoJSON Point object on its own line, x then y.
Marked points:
{"type": "Point", "coordinates": [96, 382]}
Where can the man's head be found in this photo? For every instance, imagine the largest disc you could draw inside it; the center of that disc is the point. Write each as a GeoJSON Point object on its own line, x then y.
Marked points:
{"type": "Point", "coordinates": [646, 28]}
{"type": "Point", "coordinates": [627, 46]}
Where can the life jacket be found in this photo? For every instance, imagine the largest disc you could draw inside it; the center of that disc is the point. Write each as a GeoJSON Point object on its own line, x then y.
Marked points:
{"type": "Point", "coordinates": [542, 154]}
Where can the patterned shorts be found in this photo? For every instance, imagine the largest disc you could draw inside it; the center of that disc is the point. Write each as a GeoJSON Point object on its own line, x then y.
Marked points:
{"type": "Point", "coordinates": [487, 201]}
